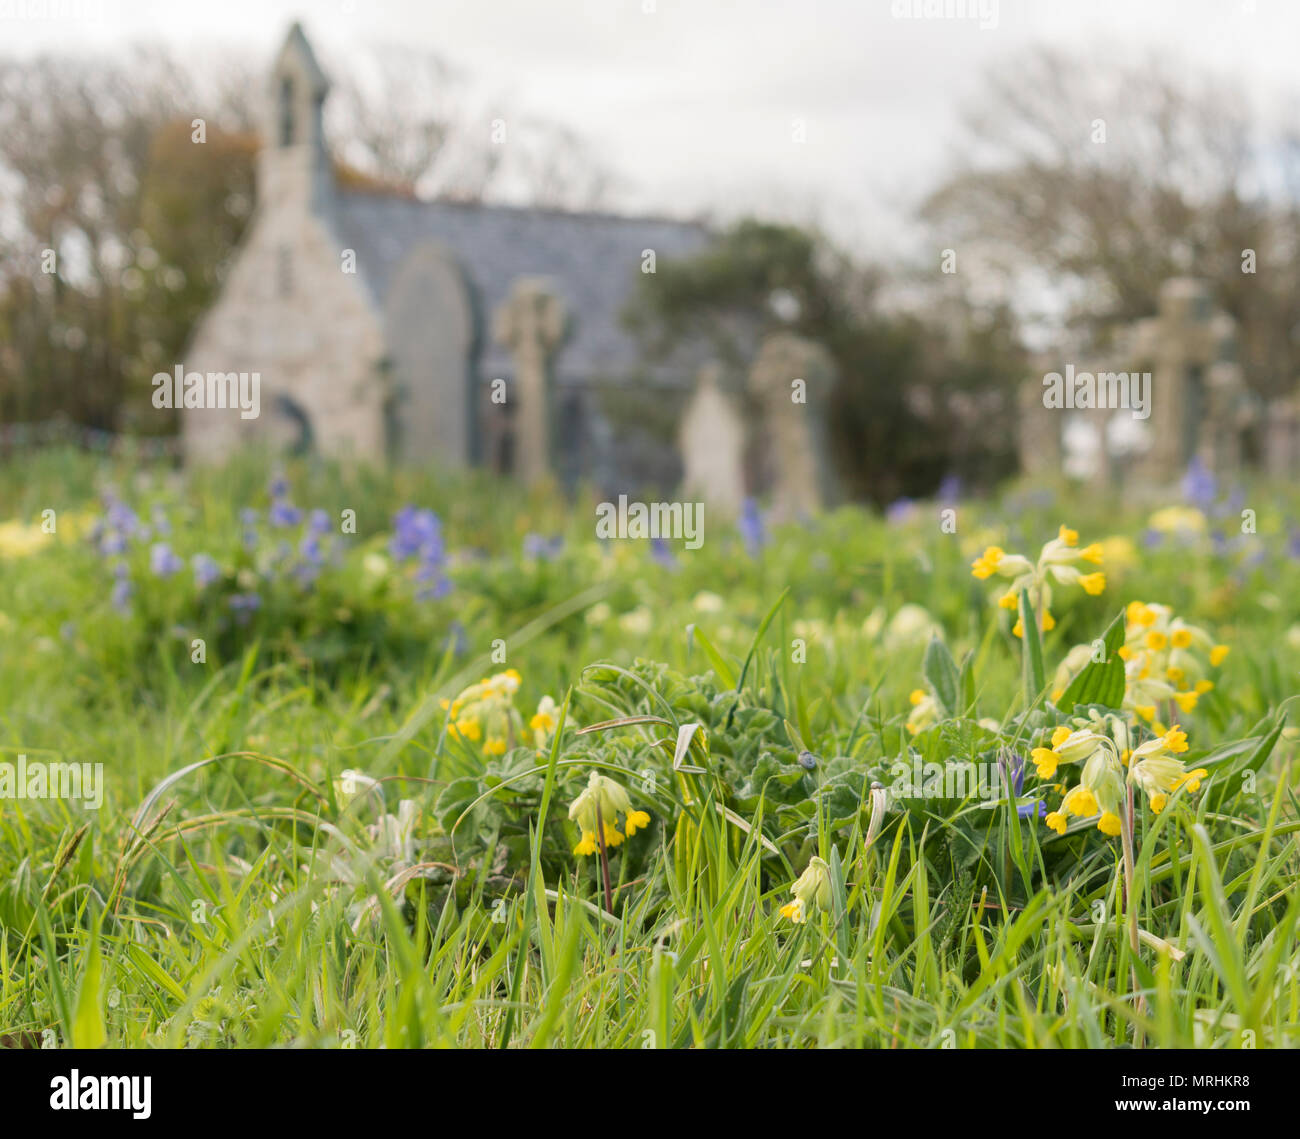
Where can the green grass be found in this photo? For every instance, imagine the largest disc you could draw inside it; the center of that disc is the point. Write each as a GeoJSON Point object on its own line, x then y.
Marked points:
{"type": "Point", "coordinates": [263, 897]}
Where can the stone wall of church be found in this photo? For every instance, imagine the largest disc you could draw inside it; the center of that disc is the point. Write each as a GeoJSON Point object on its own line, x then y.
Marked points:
{"type": "Point", "coordinates": [290, 312]}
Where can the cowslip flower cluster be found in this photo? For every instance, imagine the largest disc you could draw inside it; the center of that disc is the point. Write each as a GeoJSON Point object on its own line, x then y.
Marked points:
{"type": "Point", "coordinates": [596, 811]}
{"type": "Point", "coordinates": [925, 711]}
{"type": "Point", "coordinates": [811, 888]}
{"type": "Point", "coordinates": [1099, 791]}
{"type": "Point", "coordinates": [484, 713]}
{"type": "Point", "coordinates": [1165, 659]}
{"type": "Point", "coordinates": [544, 721]}
{"type": "Point", "coordinates": [1153, 768]}
{"type": "Point", "coordinates": [1057, 563]}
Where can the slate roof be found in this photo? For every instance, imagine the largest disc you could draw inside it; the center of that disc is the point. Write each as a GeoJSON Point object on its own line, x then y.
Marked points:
{"type": "Point", "coordinates": [594, 260]}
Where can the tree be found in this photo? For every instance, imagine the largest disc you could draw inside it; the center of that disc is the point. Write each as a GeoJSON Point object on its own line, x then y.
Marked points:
{"type": "Point", "coordinates": [1107, 178]}
{"type": "Point", "coordinates": [912, 392]}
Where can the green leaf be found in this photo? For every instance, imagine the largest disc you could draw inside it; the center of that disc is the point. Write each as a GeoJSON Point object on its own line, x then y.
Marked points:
{"type": "Point", "coordinates": [1032, 658]}
{"type": "Point", "coordinates": [721, 668]}
{"type": "Point", "coordinates": [941, 671]}
{"type": "Point", "coordinates": [1100, 682]}
{"type": "Point", "coordinates": [88, 1017]}
{"type": "Point", "coordinates": [1225, 786]}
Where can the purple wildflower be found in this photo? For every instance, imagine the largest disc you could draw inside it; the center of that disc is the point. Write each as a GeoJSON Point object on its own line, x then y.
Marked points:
{"type": "Point", "coordinates": [900, 510]}
{"type": "Point", "coordinates": [949, 489]}
{"type": "Point", "coordinates": [543, 549]}
{"type": "Point", "coordinates": [416, 532]}
{"type": "Point", "coordinates": [284, 513]}
{"type": "Point", "coordinates": [123, 590]}
{"type": "Point", "coordinates": [163, 562]}
{"type": "Point", "coordinates": [662, 553]}
{"type": "Point", "coordinates": [1013, 772]}
{"type": "Point", "coordinates": [1199, 485]}
{"type": "Point", "coordinates": [752, 529]}
{"type": "Point", "coordinates": [206, 570]}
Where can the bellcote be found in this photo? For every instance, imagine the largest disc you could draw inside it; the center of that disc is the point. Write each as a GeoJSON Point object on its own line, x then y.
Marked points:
{"type": "Point", "coordinates": [294, 161]}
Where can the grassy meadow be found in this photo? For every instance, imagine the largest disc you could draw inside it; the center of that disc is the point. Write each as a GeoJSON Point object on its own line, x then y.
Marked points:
{"type": "Point", "coordinates": [397, 760]}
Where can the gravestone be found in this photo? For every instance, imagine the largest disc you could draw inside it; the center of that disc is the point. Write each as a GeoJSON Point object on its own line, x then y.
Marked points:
{"type": "Point", "coordinates": [531, 323]}
{"type": "Point", "coordinates": [791, 378]}
{"type": "Point", "coordinates": [1282, 438]}
{"type": "Point", "coordinates": [712, 444]}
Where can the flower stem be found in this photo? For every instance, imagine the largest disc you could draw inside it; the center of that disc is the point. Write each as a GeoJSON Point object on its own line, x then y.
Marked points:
{"type": "Point", "coordinates": [604, 861]}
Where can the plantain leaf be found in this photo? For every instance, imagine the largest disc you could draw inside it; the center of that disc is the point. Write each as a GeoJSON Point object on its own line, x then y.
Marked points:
{"type": "Point", "coordinates": [941, 671]}
{"type": "Point", "coordinates": [1100, 682]}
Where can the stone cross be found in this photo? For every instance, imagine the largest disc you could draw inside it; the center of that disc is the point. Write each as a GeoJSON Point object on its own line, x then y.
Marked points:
{"type": "Point", "coordinates": [531, 323]}
{"type": "Point", "coordinates": [792, 378]}
{"type": "Point", "coordinates": [712, 444]}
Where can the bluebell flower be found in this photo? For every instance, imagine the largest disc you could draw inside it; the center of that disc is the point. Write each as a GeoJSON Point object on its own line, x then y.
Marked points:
{"type": "Point", "coordinates": [416, 532]}
{"type": "Point", "coordinates": [544, 549]}
{"type": "Point", "coordinates": [163, 562]}
{"type": "Point", "coordinates": [318, 522]}
{"type": "Point", "coordinates": [457, 639]}
{"type": "Point", "coordinates": [1293, 545]}
{"type": "Point", "coordinates": [206, 570]}
{"type": "Point", "coordinates": [160, 523]}
{"type": "Point", "coordinates": [244, 605]}
{"type": "Point", "coordinates": [949, 489]}
{"type": "Point", "coordinates": [432, 582]}
{"type": "Point", "coordinates": [311, 550]}
{"type": "Point", "coordinates": [1199, 485]}
{"type": "Point", "coordinates": [1013, 772]}
{"type": "Point", "coordinates": [752, 529]}
{"type": "Point", "coordinates": [123, 591]}
{"type": "Point", "coordinates": [900, 510]}
{"type": "Point", "coordinates": [662, 553]}
{"type": "Point", "coordinates": [284, 513]}
{"type": "Point", "coordinates": [248, 518]}
{"type": "Point", "coordinates": [122, 518]}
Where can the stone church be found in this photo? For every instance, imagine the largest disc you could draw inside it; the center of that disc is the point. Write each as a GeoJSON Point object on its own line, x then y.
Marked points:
{"type": "Point", "coordinates": [387, 327]}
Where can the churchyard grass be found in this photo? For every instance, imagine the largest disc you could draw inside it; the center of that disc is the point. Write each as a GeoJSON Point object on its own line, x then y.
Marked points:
{"type": "Point", "coordinates": [348, 793]}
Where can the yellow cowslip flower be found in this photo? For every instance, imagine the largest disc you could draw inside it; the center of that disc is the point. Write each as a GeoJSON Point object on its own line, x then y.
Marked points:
{"type": "Point", "coordinates": [812, 887]}
{"type": "Point", "coordinates": [1171, 742]}
{"type": "Point", "coordinates": [1055, 564]}
{"type": "Point", "coordinates": [603, 800]}
{"type": "Point", "coordinates": [544, 721]}
{"type": "Point", "coordinates": [1093, 583]}
{"type": "Point", "coordinates": [19, 540]}
{"type": "Point", "coordinates": [1100, 790]}
{"type": "Point", "coordinates": [467, 727]}
{"type": "Point", "coordinates": [1217, 655]}
{"type": "Point", "coordinates": [925, 711]}
{"type": "Point", "coordinates": [1068, 746]}
{"type": "Point", "coordinates": [485, 712]}
{"type": "Point", "coordinates": [1155, 770]}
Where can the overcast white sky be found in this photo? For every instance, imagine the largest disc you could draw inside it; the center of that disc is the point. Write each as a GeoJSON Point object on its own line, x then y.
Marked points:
{"type": "Point", "coordinates": [693, 102]}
